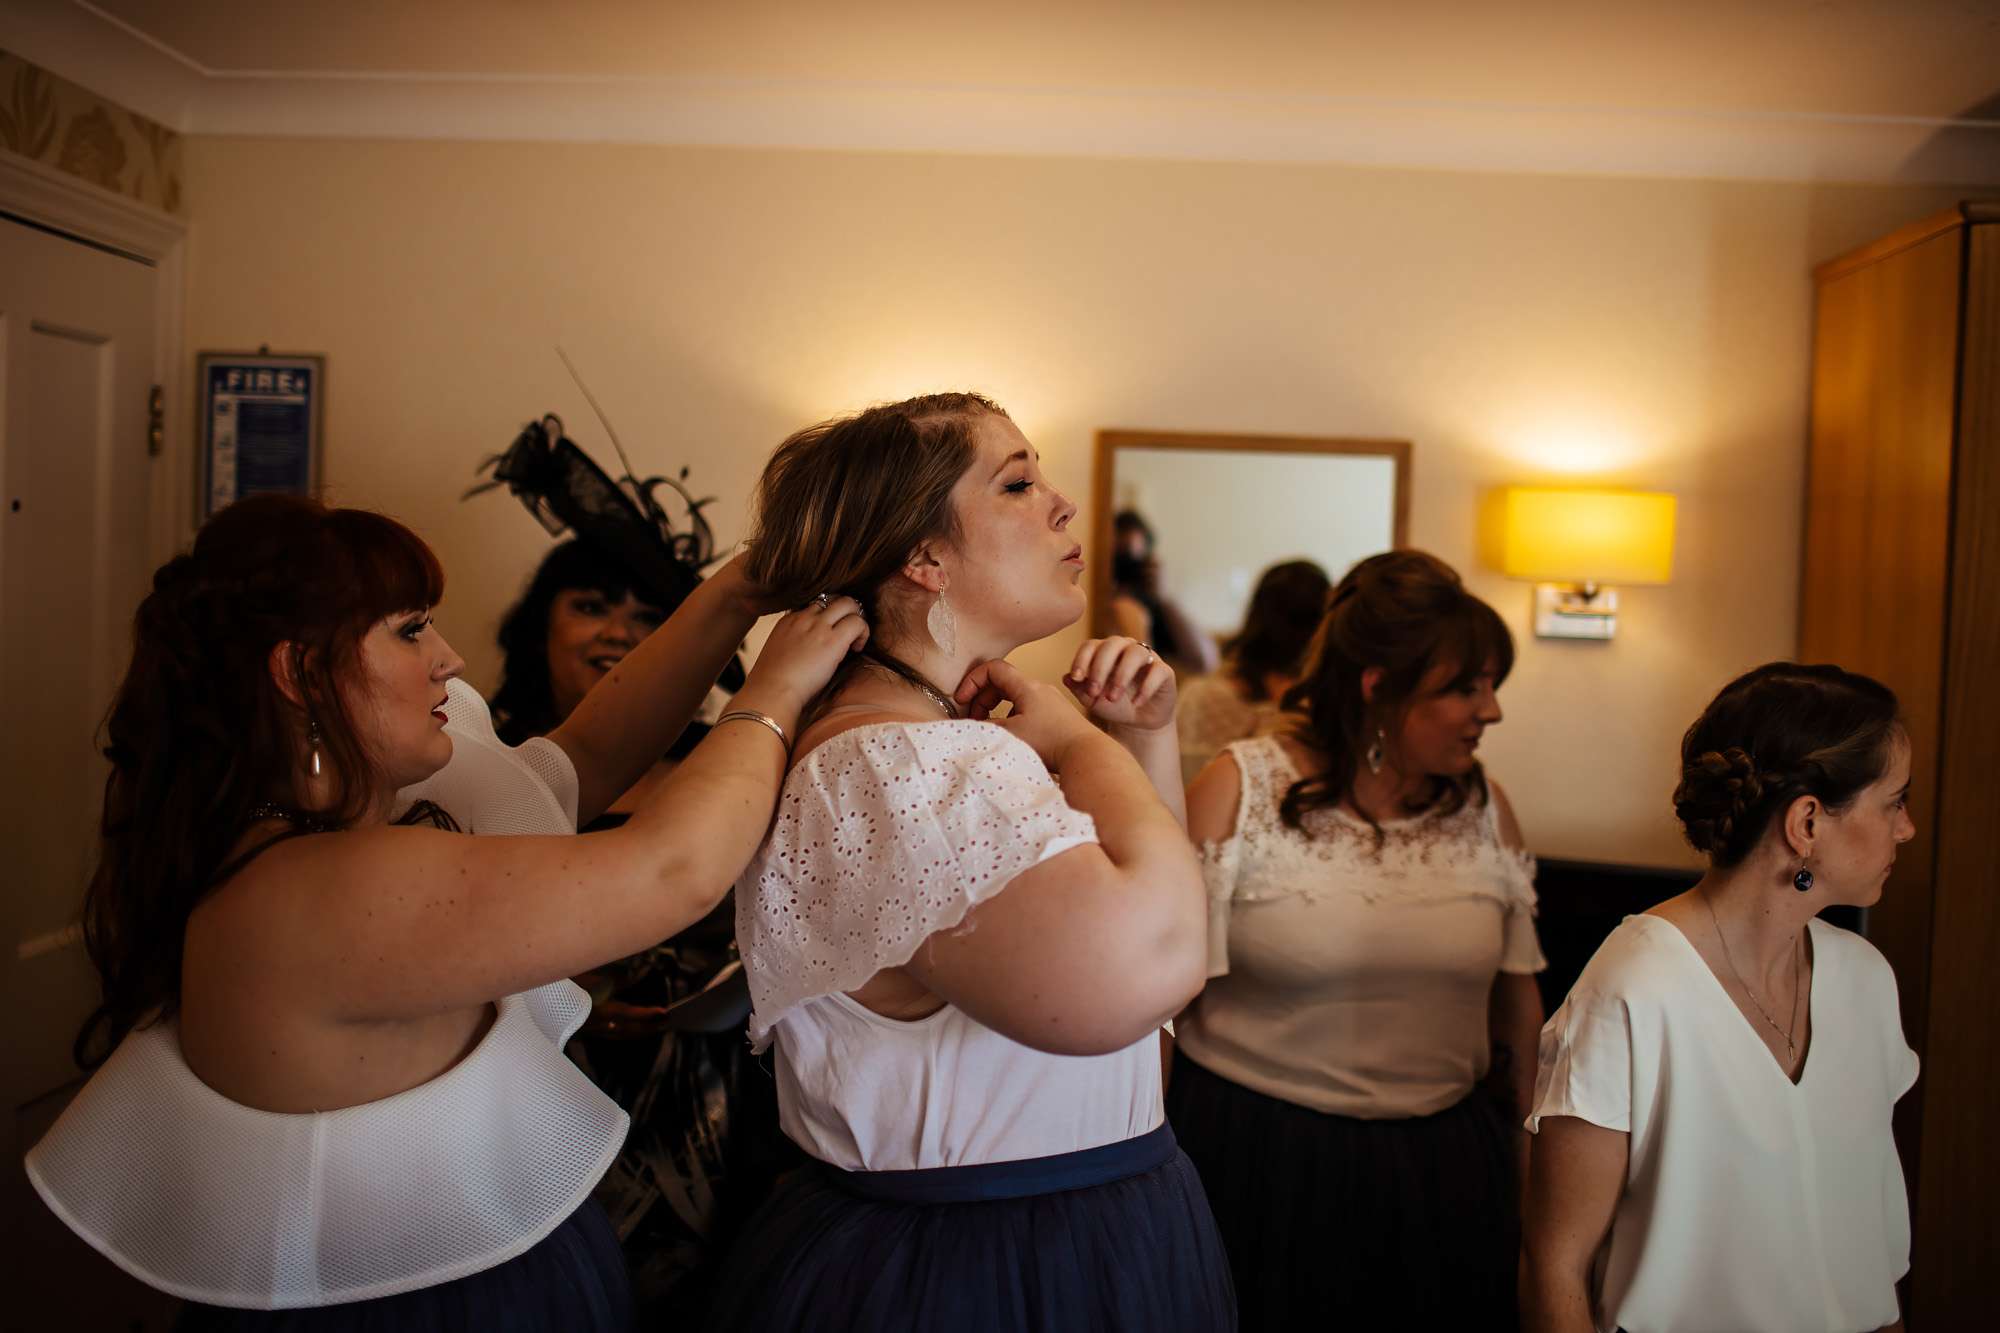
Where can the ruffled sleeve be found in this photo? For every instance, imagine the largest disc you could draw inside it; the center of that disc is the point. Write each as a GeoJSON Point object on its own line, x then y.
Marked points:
{"type": "Point", "coordinates": [1585, 1064]}
{"type": "Point", "coordinates": [885, 835]}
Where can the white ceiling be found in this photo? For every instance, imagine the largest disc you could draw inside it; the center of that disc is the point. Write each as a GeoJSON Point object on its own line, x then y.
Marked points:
{"type": "Point", "coordinates": [1793, 89]}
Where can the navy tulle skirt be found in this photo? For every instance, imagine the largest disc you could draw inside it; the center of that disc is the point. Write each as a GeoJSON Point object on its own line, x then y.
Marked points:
{"type": "Point", "coordinates": [572, 1281]}
{"type": "Point", "coordinates": [1117, 1239]}
{"type": "Point", "coordinates": [1332, 1222]}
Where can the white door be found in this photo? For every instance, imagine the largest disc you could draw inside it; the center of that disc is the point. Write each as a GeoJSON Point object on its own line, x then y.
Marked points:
{"type": "Point", "coordinates": [76, 369]}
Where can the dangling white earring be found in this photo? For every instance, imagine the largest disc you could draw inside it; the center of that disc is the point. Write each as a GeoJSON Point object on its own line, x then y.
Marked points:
{"type": "Point", "coordinates": [312, 739]}
{"type": "Point", "coordinates": [942, 622]}
{"type": "Point", "coordinates": [1377, 754]}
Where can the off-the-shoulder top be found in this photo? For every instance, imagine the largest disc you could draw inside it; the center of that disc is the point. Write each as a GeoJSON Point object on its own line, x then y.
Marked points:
{"type": "Point", "coordinates": [885, 835]}
{"type": "Point", "coordinates": [213, 1201]}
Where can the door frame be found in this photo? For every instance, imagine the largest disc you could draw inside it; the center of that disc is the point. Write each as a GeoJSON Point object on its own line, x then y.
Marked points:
{"type": "Point", "coordinates": [93, 214]}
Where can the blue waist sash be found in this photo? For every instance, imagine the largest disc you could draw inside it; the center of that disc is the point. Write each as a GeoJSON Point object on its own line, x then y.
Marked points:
{"type": "Point", "coordinates": [984, 1181]}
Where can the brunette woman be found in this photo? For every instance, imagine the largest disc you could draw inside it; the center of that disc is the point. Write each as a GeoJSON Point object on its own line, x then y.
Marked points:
{"type": "Point", "coordinates": [1713, 1147]}
{"type": "Point", "coordinates": [1372, 960]}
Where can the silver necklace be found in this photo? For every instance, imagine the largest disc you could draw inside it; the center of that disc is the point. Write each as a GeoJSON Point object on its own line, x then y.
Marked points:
{"type": "Point", "coordinates": [936, 696]}
{"type": "Point", "coordinates": [1791, 1047]}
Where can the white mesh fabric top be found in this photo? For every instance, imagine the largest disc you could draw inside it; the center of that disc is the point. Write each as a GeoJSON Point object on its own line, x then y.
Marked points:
{"type": "Point", "coordinates": [490, 786]}
{"type": "Point", "coordinates": [1349, 975]}
{"type": "Point", "coordinates": [884, 835]}
{"type": "Point", "coordinates": [217, 1202]}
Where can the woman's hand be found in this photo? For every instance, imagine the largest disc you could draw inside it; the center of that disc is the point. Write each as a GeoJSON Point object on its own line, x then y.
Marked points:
{"type": "Point", "coordinates": [804, 650]}
{"type": "Point", "coordinates": [1040, 715]}
{"type": "Point", "coordinates": [753, 599]}
{"type": "Point", "coordinates": [1124, 684]}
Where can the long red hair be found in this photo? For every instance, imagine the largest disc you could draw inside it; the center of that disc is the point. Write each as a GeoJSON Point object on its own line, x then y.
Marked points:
{"type": "Point", "coordinates": [200, 732]}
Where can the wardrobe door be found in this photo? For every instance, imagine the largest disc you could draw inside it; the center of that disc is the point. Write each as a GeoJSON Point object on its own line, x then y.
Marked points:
{"type": "Point", "coordinates": [1960, 1166]}
{"type": "Point", "coordinates": [1877, 540]}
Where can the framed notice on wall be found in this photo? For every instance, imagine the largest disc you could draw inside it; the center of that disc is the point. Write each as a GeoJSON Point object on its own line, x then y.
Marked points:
{"type": "Point", "coordinates": [260, 425]}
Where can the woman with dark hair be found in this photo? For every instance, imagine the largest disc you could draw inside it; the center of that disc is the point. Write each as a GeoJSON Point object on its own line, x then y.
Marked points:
{"type": "Point", "coordinates": [579, 617]}
{"type": "Point", "coordinates": [964, 966]}
{"type": "Point", "coordinates": [705, 1146]}
{"type": "Point", "coordinates": [335, 1096]}
{"type": "Point", "coordinates": [1140, 609]}
{"type": "Point", "coordinates": [1713, 1147]}
{"type": "Point", "coordinates": [1371, 957]}
{"type": "Point", "coordinates": [1258, 665]}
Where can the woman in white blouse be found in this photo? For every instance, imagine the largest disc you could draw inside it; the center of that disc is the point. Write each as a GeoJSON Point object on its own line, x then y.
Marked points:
{"type": "Point", "coordinates": [1371, 948]}
{"type": "Point", "coordinates": [1712, 1110]}
{"type": "Point", "coordinates": [963, 965]}
{"type": "Point", "coordinates": [335, 1096]}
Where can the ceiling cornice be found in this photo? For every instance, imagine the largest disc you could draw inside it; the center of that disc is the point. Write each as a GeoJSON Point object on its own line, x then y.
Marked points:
{"type": "Point", "coordinates": [95, 49]}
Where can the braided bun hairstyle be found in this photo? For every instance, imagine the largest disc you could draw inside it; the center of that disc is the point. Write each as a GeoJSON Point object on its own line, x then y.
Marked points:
{"type": "Point", "coordinates": [1771, 736]}
{"type": "Point", "coordinates": [199, 732]}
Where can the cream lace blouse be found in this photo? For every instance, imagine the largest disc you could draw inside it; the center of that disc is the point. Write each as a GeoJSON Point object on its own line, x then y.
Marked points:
{"type": "Point", "coordinates": [1350, 974]}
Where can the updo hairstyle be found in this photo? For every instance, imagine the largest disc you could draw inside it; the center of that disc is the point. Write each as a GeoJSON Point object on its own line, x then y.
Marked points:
{"type": "Point", "coordinates": [842, 505]}
{"type": "Point", "coordinates": [1771, 736]}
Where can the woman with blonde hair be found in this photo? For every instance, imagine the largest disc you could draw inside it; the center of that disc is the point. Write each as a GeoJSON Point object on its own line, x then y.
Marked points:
{"type": "Point", "coordinates": [963, 966]}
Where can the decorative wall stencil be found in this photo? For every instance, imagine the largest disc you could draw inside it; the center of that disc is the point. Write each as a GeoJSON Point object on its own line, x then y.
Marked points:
{"type": "Point", "coordinates": [74, 130]}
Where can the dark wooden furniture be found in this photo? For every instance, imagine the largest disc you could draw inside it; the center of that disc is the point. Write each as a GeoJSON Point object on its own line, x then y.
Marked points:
{"type": "Point", "coordinates": [1901, 579]}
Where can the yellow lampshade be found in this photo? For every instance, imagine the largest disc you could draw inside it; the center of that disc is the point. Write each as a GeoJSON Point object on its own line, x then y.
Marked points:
{"type": "Point", "coordinates": [1579, 536]}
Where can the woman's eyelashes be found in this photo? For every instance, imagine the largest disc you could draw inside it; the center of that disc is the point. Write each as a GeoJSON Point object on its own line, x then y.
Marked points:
{"type": "Point", "coordinates": [1021, 487]}
{"type": "Point", "coordinates": [413, 628]}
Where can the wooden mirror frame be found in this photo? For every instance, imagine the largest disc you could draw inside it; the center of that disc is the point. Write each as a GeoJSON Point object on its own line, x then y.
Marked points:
{"type": "Point", "coordinates": [1110, 441]}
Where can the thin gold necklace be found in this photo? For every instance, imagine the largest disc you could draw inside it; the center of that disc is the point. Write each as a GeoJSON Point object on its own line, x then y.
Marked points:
{"type": "Point", "coordinates": [1791, 1047]}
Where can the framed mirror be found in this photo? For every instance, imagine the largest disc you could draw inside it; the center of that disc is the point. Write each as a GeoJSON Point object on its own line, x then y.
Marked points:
{"type": "Point", "coordinates": [1215, 511]}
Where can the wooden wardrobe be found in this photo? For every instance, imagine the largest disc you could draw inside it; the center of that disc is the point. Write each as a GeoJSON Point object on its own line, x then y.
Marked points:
{"type": "Point", "coordinates": [1901, 580]}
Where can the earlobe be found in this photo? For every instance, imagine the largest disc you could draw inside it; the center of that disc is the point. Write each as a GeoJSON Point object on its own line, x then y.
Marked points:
{"type": "Point", "coordinates": [924, 570]}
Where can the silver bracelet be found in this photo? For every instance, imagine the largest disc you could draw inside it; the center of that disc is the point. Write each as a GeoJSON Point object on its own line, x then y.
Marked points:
{"type": "Point", "coordinates": [749, 715]}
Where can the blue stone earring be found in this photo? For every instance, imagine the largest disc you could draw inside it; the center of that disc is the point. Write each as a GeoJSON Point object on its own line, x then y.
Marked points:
{"type": "Point", "coordinates": [1803, 881]}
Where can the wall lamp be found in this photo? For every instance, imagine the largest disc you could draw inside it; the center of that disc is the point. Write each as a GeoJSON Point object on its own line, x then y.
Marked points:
{"type": "Point", "coordinates": [1574, 543]}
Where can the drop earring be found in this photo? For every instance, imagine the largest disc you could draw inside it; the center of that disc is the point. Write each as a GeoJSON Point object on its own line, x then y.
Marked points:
{"type": "Point", "coordinates": [942, 622]}
{"type": "Point", "coordinates": [1378, 753]}
{"type": "Point", "coordinates": [312, 739]}
{"type": "Point", "coordinates": [1803, 881]}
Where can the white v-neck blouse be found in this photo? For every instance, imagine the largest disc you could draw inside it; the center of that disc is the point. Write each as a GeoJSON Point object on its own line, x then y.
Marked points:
{"type": "Point", "coordinates": [1750, 1202]}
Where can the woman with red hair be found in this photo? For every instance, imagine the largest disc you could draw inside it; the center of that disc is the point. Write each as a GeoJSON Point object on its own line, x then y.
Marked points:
{"type": "Point", "coordinates": [335, 1095]}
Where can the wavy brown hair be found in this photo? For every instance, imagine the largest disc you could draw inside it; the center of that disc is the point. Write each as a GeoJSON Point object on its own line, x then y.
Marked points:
{"type": "Point", "coordinates": [843, 505]}
{"type": "Point", "coordinates": [1285, 610]}
{"type": "Point", "coordinates": [1771, 736]}
{"type": "Point", "coordinates": [1408, 613]}
{"type": "Point", "coordinates": [200, 732]}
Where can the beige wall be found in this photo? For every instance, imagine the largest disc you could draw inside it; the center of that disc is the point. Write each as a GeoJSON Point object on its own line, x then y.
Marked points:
{"type": "Point", "coordinates": [1647, 333]}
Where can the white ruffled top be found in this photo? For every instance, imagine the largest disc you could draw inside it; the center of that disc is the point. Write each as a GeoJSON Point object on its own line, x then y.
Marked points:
{"type": "Point", "coordinates": [1351, 972]}
{"type": "Point", "coordinates": [217, 1202]}
{"type": "Point", "coordinates": [884, 836]}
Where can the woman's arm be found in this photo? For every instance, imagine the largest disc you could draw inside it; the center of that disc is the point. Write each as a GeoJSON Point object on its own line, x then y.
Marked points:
{"type": "Point", "coordinates": [1579, 1175]}
{"type": "Point", "coordinates": [1096, 947]}
{"type": "Point", "coordinates": [396, 923]}
{"type": "Point", "coordinates": [629, 718]}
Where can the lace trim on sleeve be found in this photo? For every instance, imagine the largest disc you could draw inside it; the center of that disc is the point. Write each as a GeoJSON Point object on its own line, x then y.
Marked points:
{"type": "Point", "coordinates": [885, 835]}
{"type": "Point", "coordinates": [1428, 858]}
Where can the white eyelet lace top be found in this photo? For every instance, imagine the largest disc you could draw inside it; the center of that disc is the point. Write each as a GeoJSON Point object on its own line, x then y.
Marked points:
{"type": "Point", "coordinates": [217, 1202]}
{"type": "Point", "coordinates": [885, 835]}
{"type": "Point", "coordinates": [1351, 974]}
